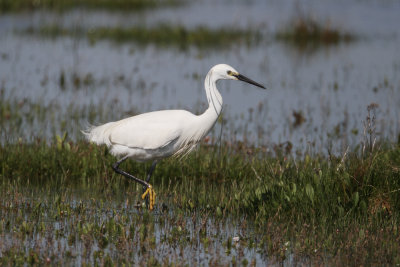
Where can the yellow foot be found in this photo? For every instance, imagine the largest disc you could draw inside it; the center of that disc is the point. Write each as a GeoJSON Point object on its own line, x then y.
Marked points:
{"type": "Point", "coordinates": [152, 196]}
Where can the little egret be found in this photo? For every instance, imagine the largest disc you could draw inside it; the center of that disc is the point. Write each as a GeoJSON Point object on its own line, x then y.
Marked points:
{"type": "Point", "coordinates": [159, 134]}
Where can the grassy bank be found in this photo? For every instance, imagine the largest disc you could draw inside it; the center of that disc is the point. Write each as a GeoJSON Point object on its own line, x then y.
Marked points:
{"type": "Point", "coordinates": [337, 209]}
{"type": "Point", "coordinates": [160, 35]}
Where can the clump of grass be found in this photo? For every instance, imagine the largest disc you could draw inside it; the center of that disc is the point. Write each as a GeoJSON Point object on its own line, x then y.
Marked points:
{"type": "Point", "coordinates": [161, 35]}
{"type": "Point", "coordinates": [62, 5]}
{"type": "Point", "coordinates": [307, 33]}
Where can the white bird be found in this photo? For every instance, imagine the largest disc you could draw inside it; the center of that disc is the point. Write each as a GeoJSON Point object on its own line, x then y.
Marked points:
{"type": "Point", "coordinates": [159, 134]}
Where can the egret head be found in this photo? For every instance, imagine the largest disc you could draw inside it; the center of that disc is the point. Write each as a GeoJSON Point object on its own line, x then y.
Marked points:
{"type": "Point", "coordinates": [226, 72]}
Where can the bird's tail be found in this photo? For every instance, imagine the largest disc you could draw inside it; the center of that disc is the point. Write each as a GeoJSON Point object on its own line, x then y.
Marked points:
{"type": "Point", "coordinates": [99, 134]}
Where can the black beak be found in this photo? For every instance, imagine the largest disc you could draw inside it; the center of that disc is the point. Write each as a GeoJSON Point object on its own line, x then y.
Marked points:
{"type": "Point", "coordinates": [247, 80]}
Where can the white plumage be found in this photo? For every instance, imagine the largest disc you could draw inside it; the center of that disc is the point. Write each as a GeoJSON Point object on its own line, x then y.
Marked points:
{"type": "Point", "coordinates": [152, 135]}
{"type": "Point", "coordinates": [159, 134]}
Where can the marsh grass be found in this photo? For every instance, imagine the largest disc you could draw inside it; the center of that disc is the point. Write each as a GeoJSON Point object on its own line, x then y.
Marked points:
{"type": "Point", "coordinates": [63, 5]}
{"type": "Point", "coordinates": [162, 35]}
{"type": "Point", "coordinates": [342, 209]}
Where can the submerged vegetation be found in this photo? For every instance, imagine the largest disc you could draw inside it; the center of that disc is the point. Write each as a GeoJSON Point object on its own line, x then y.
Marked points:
{"type": "Point", "coordinates": [161, 35]}
{"type": "Point", "coordinates": [62, 5]}
{"type": "Point", "coordinates": [341, 209]}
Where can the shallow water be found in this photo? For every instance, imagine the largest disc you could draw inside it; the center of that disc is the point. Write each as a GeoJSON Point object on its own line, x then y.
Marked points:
{"type": "Point", "coordinates": [72, 232]}
{"type": "Point", "coordinates": [330, 86]}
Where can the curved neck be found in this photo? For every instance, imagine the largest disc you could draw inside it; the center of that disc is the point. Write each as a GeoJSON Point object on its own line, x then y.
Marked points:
{"type": "Point", "coordinates": [206, 121]}
{"type": "Point", "coordinates": [214, 98]}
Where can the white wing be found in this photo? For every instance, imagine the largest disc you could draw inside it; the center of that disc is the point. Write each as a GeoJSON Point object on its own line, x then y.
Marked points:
{"type": "Point", "coordinates": [151, 130]}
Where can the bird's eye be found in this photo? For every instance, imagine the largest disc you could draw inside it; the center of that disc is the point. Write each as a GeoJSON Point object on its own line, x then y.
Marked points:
{"type": "Point", "coordinates": [229, 72]}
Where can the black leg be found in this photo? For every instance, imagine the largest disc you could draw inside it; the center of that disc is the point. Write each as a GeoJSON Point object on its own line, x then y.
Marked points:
{"type": "Point", "coordinates": [149, 173]}
{"type": "Point", "coordinates": [148, 189]}
{"type": "Point", "coordinates": [124, 173]}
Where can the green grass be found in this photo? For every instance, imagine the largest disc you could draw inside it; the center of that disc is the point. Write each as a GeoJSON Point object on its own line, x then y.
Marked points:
{"type": "Point", "coordinates": [160, 35]}
{"type": "Point", "coordinates": [340, 209]}
{"type": "Point", "coordinates": [62, 5]}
